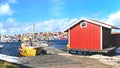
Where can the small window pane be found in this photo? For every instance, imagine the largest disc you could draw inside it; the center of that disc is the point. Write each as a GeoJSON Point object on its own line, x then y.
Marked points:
{"type": "Point", "coordinates": [83, 24]}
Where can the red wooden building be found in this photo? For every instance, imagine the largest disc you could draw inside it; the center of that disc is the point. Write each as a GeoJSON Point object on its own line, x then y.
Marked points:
{"type": "Point", "coordinates": [89, 35]}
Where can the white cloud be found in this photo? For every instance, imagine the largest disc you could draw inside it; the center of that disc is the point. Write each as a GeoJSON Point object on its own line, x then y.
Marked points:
{"type": "Point", "coordinates": [54, 25]}
{"type": "Point", "coordinates": [1, 25]}
{"type": "Point", "coordinates": [114, 19]}
{"type": "Point", "coordinates": [57, 7]}
{"type": "Point", "coordinates": [5, 9]}
{"type": "Point", "coordinates": [114, 16]}
{"type": "Point", "coordinates": [11, 20]}
{"type": "Point", "coordinates": [11, 26]}
{"type": "Point", "coordinates": [12, 1]}
{"type": "Point", "coordinates": [3, 31]}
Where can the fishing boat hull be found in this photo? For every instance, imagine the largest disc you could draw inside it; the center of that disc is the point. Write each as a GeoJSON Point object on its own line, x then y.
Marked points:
{"type": "Point", "coordinates": [28, 51]}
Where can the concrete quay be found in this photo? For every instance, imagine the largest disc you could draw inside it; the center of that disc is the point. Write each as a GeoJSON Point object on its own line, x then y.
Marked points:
{"type": "Point", "coordinates": [60, 59]}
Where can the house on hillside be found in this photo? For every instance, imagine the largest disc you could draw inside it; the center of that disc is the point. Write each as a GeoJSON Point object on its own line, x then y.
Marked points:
{"type": "Point", "coordinates": [89, 34]}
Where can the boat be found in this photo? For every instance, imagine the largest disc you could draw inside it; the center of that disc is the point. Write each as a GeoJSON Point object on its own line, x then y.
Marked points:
{"type": "Point", "coordinates": [29, 48]}
{"type": "Point", "coordinates": [1, 46]}
{"type": "Point", "coordinates": [8, 58]}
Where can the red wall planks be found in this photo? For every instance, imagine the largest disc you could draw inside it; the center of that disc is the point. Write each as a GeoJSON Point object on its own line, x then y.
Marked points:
{"type": "Point", "coordinates": [86, 37]}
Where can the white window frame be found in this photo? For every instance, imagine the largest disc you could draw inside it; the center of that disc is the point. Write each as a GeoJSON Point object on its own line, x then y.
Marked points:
{"type": "Point", "coordinates": [81, 24]}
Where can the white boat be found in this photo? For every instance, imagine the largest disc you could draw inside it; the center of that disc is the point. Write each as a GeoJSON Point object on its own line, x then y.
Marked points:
{"type": "Point", "coordinates": [8, 58]}
{"type": "Point", "coordinates": [1, 46]}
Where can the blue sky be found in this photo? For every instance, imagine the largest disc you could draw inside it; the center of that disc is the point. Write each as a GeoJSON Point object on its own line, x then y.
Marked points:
{"type": "Point", "coordinates": [18, 16]}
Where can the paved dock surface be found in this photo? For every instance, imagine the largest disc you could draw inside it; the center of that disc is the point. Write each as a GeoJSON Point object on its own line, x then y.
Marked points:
{"type": "Point", "coordinates": [53, 50]}
{"type": "Point", "coordinates": [60, 59]}
{"type": "Point", "coordinates": [46, 61]}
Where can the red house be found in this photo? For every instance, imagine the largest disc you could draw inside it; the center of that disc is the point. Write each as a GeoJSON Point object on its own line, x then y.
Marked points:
{"type": "Point", "coordinates": [87, 34]}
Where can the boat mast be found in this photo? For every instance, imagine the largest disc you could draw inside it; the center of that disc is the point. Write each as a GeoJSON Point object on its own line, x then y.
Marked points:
{"type": "Point", "coordinates": [33, 37]}
{"type": "Point", "coordinates": [33, 31]}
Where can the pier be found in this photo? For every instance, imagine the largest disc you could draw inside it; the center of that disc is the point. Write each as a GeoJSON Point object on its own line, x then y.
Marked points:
{"type": "Point", "coordinates": [45, 61]}
{"type": "Point", "coordinates": [53, 50]}
{"type": "Point", "coordinates": [55, 58]}
{"type": "Point", "coordinates": [59, 59]}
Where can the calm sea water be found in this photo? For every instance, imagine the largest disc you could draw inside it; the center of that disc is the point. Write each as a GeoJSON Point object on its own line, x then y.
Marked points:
{"type": "Point", "coordinates": [12, 49]}
{"type": "Point", "coordinates": [60, 44]}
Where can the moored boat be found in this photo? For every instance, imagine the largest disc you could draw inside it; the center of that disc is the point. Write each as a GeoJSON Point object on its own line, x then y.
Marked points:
{"type": "Point", "coordinates": [1, 46]}
{"type": "Point", "coordinates": [29, 48]}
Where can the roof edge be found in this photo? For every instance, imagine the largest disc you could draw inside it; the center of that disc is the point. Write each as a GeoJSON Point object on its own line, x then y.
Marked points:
{"type": "Point", "coordinates": [91, 21]}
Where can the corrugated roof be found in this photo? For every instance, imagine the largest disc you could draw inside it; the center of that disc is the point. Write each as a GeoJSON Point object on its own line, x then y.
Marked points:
{"type": "Point", "coordinates": [91, 21]}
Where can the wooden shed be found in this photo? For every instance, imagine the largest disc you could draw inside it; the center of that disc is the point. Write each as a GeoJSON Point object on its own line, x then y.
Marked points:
{"type": "Point", "coordinates": [89, 34]}
{"type": "Point", "coordinates": [116, 39]}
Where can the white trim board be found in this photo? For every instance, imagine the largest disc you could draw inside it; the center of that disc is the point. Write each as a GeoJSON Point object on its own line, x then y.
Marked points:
{"type": "Point", "coordinates": [101, 38]}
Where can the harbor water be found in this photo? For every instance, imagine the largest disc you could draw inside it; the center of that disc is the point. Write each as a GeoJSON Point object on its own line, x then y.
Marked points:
{"type": "Point", "coordinates": [60, 44]}
{"type": "Point", "coordinates": [12, 48]}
